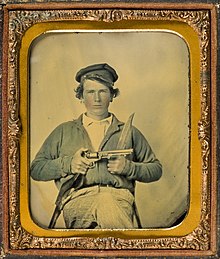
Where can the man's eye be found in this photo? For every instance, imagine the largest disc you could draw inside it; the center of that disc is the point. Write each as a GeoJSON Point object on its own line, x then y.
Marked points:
{"type": "Point", "coordinates": [90, 92]}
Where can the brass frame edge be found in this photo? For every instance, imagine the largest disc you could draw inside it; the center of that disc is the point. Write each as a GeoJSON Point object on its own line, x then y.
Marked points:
{"type": "Point", "coordinates": [213, 153]}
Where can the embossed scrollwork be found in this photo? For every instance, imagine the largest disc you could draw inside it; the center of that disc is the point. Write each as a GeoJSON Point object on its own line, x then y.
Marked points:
{"type": "Point", "coordinates": [19, 22]}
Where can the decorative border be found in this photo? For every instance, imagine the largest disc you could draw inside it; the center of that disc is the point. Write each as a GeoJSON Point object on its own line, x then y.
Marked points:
{"type": "Point", "coordinates": [19, 22]}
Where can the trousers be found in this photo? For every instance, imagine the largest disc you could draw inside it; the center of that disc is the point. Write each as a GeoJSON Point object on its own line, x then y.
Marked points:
{"type": "Point", "coordinates": [99, 207]}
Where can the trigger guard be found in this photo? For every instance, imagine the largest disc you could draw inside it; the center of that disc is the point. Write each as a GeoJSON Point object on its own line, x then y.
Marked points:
{"type": "Point", "coordinates": [92, 165]}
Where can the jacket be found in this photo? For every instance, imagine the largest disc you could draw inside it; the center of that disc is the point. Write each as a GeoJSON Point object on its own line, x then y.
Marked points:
{"type": "Point", "coordinates": [53, 161]}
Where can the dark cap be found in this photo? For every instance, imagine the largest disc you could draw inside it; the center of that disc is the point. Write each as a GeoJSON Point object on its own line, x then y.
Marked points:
{"type": "Point", "coordinates": [98, 71]}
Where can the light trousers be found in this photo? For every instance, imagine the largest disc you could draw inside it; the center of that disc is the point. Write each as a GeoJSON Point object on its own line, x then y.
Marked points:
{"type": "Point", "coordinates": [100, 207]}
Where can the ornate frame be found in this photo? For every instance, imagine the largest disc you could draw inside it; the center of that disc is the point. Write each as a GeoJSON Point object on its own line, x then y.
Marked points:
{"type": "Point", "coordinates": [18, 19]}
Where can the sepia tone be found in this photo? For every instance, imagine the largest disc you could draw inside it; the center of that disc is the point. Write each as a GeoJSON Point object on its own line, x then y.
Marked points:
{"type": "Point", "coordinates": [139, 83]}
{"type": "Point", "coordinates": [199, 240]}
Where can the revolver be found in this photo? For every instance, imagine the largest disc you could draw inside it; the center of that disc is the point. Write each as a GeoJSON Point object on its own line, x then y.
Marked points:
{"type": "Point", "coordinates": [96, 156]}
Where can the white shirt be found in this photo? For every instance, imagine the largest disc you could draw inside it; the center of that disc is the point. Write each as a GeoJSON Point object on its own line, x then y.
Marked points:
{"type": "Point", "coordinates": [96, 129]}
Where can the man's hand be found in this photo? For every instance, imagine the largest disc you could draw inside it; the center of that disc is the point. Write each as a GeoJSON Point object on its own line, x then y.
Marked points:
{"type": "Point", "coordinates": [116, 165]}
{"type": "Point", "coordinates": [80, 164]}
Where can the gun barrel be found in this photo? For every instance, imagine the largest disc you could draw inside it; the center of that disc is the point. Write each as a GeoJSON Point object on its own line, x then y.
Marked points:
{"type": "Point", "coordinates": [119, 152]}
{"type": "Point", "coordinates": [110, 153]}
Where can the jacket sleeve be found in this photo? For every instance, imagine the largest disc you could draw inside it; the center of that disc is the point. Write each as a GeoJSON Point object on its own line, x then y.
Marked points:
{"type": "Point", "coordinates": [145, 167]}
{"type": "Point", "coordinates": [48, 164]}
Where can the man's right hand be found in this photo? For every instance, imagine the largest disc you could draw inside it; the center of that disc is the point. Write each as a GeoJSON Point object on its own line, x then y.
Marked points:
{"type": "Point", "coordinates": [80, 164]}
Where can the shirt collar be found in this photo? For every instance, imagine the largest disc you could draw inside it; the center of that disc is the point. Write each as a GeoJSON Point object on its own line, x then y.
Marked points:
{"type": "Point", "coordinates": [88, 121]}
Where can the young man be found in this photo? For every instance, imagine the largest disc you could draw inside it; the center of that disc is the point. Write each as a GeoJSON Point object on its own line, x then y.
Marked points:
{"type": "Point", "coordinates": [105, 197]}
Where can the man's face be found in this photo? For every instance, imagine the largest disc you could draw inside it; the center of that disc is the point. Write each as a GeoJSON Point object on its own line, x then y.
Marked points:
{"type": "Point", "coordinates": [96, 98]}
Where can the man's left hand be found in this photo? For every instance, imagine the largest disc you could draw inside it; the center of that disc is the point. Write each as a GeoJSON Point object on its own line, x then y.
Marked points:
{"type": "Point", "coordinates": [116, 165]}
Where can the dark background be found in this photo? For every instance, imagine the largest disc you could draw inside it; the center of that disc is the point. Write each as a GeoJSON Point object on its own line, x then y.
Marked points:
{"type": "Point", "coordinates": [217, 2]}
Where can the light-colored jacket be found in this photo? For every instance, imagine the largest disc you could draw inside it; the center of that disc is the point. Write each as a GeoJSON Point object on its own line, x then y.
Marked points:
{"type": "Point", "coordinates": [53, 161]}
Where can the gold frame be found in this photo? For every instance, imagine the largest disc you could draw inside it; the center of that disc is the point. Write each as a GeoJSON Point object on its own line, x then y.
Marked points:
{"type": "Point", "coordinates": [196, 235]}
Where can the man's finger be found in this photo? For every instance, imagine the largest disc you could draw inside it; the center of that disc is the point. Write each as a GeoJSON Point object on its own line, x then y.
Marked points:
{"type": "Point", "coordinates": [79, 169]}
{"type": "Point", "coordinates": [85, 161]}
{"type": "Point", "coordinates": [113, 164]}
{"type": "Point", "coordinates": [112, 169]}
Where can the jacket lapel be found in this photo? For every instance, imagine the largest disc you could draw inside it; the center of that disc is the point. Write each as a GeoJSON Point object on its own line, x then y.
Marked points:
{"type": "Point", "coordinates": [79, 125]}
{"type": "Point", "coordinates": [114, 127]}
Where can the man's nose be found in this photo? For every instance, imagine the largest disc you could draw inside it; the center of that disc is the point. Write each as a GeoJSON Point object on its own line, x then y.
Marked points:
{"type": "Point", "coordinates": [97, 97]}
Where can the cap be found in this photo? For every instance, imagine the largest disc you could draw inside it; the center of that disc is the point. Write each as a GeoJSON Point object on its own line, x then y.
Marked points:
{"type": "Point", "coordinates": [100, 71]}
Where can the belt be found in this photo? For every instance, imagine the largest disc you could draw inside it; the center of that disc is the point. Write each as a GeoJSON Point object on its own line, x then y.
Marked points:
{"type": "Point", "coordinates": [100, 185]}
{"type": "Point", "coordinates": [103, 185]}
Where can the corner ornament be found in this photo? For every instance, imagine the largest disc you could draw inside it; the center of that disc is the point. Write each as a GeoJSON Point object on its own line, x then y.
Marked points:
{"type": "Point", "coordinates": [19, 22]}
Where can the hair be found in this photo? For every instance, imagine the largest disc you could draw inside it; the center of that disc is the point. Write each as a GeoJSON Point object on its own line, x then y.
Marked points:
{"type": "Point", "coordinates": [79, 90]}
